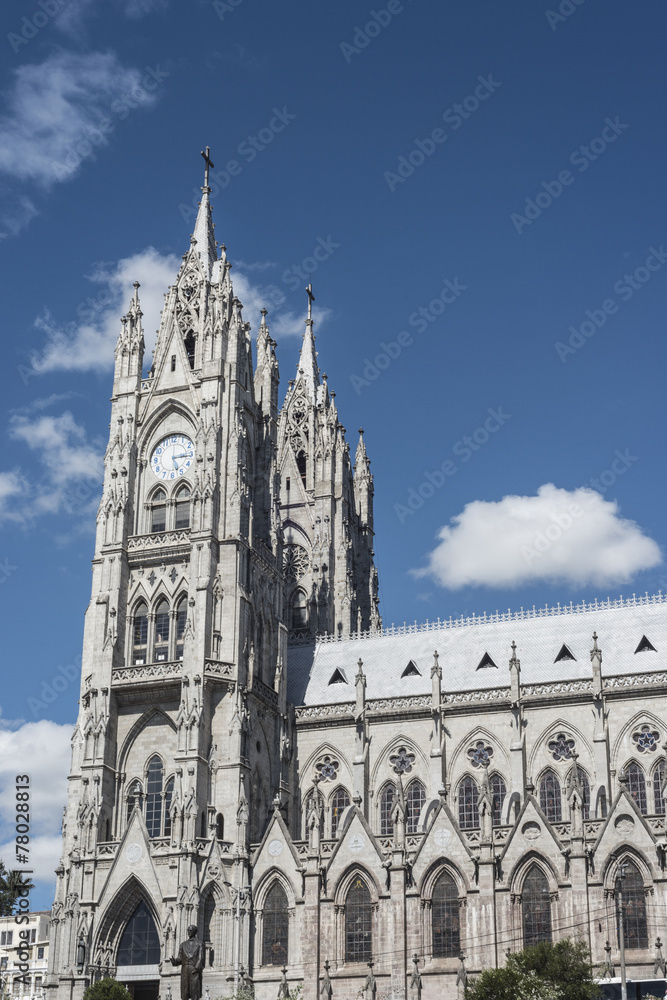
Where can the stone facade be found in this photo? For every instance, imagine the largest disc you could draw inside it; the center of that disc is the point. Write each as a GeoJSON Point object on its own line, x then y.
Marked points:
{"type": "Point", "coordinates": [332, 803]}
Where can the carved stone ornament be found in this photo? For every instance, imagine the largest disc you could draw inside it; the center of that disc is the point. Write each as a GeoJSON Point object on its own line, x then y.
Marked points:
{"type": "Point", "coordinates": [646, 739]}
{"type": "Point", "coordinates": [295, 562]}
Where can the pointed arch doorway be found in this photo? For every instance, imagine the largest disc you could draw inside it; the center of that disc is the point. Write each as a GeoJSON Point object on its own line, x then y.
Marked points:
{"type": "Point", "coordinates": [139, 955]}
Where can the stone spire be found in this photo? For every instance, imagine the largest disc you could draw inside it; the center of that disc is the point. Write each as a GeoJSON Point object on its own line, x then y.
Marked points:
{"type": "Point", "coordinates": [204, 232]}
{"type": "Point", "coordinates": [307, 367]}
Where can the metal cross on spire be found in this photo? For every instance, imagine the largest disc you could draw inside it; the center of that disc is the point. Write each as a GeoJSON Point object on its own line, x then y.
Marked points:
{"type": "Point", "coordinates": [311, 299]}
{"type": "Point", "coordinates": [209, 163]}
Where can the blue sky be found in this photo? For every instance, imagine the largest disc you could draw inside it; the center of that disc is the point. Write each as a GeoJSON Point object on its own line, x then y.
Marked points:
{"type": "Point", "coordinates": [499, 167]}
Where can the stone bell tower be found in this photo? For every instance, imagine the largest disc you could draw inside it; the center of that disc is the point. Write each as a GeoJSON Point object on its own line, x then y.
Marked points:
{"type": "Point", "coordinates": [177, 755]}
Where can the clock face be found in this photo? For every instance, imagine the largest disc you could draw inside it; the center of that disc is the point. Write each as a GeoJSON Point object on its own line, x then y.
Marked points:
{"type": "Point", "coordinates": [172, 457]}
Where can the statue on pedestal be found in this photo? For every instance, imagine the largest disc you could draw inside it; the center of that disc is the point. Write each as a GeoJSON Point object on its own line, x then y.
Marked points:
{"type": "Point", "coordinates": [191, 960]}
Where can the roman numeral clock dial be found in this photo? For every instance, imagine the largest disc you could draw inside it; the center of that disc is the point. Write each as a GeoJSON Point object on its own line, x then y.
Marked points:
{"type": "Point", "coordinates": [172, 457]}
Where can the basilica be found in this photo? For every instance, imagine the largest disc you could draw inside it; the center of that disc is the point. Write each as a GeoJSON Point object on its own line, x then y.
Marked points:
{"type": "Point", "coordinates": [355, 809]}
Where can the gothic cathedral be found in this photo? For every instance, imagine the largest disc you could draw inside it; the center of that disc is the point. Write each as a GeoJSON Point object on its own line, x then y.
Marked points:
{"type": "Point", "coordinates": [332, 803]}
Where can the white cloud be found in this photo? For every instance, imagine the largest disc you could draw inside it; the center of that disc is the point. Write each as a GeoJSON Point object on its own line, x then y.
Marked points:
{"type": "Point", "coordinates": [89, 344]}
{"type": "Point", "coordinates": [16, 215]}
{"type": "Point", "coordinates": [55, 108]}
{"type": "Point", "coordinates": [41, 749]}
{"type": "Point", "coordinates": [70, 469]}
{"type": "Point", "coordinates": [559, 536]}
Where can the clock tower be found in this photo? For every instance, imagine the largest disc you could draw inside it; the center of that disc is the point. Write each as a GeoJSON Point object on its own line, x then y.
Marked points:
{"type": "Point", "coordinates": [183, 748]}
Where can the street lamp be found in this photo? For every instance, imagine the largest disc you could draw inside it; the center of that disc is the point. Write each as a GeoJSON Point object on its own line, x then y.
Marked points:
{"type": "Point", "coordinates": [240, 895]}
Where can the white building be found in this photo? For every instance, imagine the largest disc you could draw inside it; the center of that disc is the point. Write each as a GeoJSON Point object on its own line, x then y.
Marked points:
{"type": "Point", "coordinates": [14, 980]}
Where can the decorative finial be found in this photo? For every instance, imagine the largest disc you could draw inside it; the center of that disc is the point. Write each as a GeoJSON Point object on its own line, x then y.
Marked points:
{"type": "Point", "coordinates": [361, 432]}
{"type": "Point", "coordinates": [209, 163]}
{"type": "Point", "coordinates": [595, 641]}
{"type": "Point", "coordinates": [311, 299]}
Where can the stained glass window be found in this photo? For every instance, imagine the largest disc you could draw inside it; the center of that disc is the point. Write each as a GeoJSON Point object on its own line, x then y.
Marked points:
{"type": "Point", "coordinates": [386, 808]}
{"type": "Point", "coordinates": [637, 786]}
{"type": "Point", "coordinates": [358, 923]}
{"type": "Point", "coordinates": [468, 809]}
{"type": "Point", "coordinates": [140, 943]}
{"type": "Point", "coordinates": [220, 827]}
{"type": "Point", "coordinates": [140, 634]}
{"type": "Point", "coordinates": [402, 761]}
{"type": "Point", "coordinates": [168, 796]}
{"type": "Point", "coordinates": [154, 797]}
{"type": "Point", "coordinates": [276, 926]}
{"type": "Point", "coordinates": [161, 651]}
{"type": "Point", "coordinates": [209, 913]}
{"type": "Point", "coordinates": [646, 739]}
{"type": "Point", "coordinates": [550, 797]}
{"type": "Point", "coordinates": [480, 753]}
{"type": "Point", "coordinates": [498, 793]}
{"type": "Point", "coordinates": [634, 908]}
{"type": "Point", "coordinates": [414, 803]}
{"type": "Point", "coordinates": [327, 768]}
{"type": "Point", "coordinates": [536, 906]}
{"type": "Point", "coordinates": [299, 610]}
{"type": "Point", "coordinates": [561, 748]}
{"type": "Point", "coordinates": [445, 918]}
{"type": "Point", "coordinates": [658, 781]}
{"type": "Point", "coordinates": [339, 802]}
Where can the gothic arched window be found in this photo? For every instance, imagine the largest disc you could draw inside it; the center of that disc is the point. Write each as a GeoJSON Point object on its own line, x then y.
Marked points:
{"type": "Point", "coordinates": [634, 908]}
{"type": "Point", "coordinates": [358, 923]}
{"type": "Point", "coordinates": [550, 797]}
{"type": "Point", "coordinates": [536, 906]}
{"type": "Point", "coordinates": [182, 519]}
{"type": "Point", "coordinates": [414, 803]}
{"type": "Point", "coordinates": [220, 827]}
{"type": "Point", "coordinates": [140, 634]}
{"type": "Point", "coordinates": [498, 793]}
{"type": "Point", "coordinates": [181, 619]}
{"type": "Point", "coordinates": [140, 943]}
{"type": "Point", "coordinates": [168, 798]}
{"type": "Point", "coordinates": [159, 511]}
{"type": "Point", "coordinates": [154, 778]}
{"type": "Point", "coordinates": [299, 609]}
{"type": "Point", "coordinates": [339, 801]}
{"type": "Point", "coordinates": [637, 786]}
{"type": "Point", "coordinates": [276, 925]}
{"type": "Point", "coordinates": [468, 808]}
{"type": "Point", "coordinates": [161, 647]}
{"type": "Point", "coordinates": [301, 466]}
{"type": "Point", "coordinates": [209, 926]}
{"type": "Point", "coordinates": [386, 809]}
{"type": "Point", "coordinates": [658, 781]}
{"type": "Point", "coordinates": [190, 348]}
{"type": "Point", "coordinates": [445, 918]}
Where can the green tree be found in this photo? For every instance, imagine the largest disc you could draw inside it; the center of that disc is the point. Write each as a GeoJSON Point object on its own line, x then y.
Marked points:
{"type": "Point", "coordinates": [12, 885]}
{"type": "Point", "coordinates": [546, 971]}
{"type": "Point", "coordinates": [566, 963]}
{"type": "Point", "coordinates": [107, 989]}
{"type": "Point", "coordinates": [511, 983]}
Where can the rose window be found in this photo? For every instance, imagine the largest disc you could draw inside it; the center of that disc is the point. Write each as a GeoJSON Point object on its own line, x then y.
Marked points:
{"type": "Point", "coordinates": [327, 768]}
{"type": "Point", "coordinates": [295, 562]}
{"type": "Point", "coordinates": [562, 747]}
{"type": "Point", "coordinates": [402, 761]}
{"type": "Point", "coordinates": [646, 739]}
{"type": "Point", "coordinates": [480, 754]}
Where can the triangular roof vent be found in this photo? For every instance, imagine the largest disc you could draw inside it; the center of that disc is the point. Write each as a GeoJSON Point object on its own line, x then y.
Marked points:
{"type": "Point", "coordinates": [486, 661]}
{"type": "Point", "coordinates": [645, 645]}
{"type": "Point", "coordinates": [338, 677]}
{"type": "Point", "coordinates": [411, 670]}
{"type": "Point", "coordinates": [565, 653]}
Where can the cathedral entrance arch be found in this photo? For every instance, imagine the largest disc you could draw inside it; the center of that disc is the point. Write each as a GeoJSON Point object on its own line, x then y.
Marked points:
{"type": "Point", "coordinates": [139, 955]}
